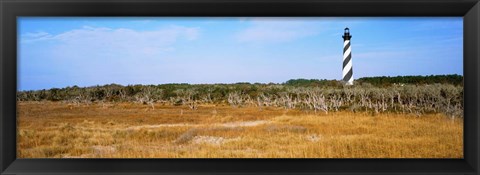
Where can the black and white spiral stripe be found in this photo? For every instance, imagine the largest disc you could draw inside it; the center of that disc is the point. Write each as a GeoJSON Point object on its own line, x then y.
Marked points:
{"type": "Point", "coordinates": [347, 63]}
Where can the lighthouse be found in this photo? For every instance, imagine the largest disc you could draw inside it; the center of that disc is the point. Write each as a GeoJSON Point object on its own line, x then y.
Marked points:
{"type": "Point", "coordinates": [347, 71]}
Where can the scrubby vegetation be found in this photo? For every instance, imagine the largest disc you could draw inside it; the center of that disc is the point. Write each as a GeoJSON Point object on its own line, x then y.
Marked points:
{"type": "Point", "coordinates": [409, 94]}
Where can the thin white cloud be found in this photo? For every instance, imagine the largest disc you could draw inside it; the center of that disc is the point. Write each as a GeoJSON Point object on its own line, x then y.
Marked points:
{"type": "Point", "coordinates": [269, 30]}
{"type": "Point", "coordinates": [37, 35]}
{"type": "Point", "coordinates": [120, 40]}
{"type": "Point", "coordinates": [33, 37]}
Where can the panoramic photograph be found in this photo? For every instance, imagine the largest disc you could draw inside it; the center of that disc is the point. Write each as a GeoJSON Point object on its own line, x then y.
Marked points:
{"type": "Point", "coordinates": [240, 87]}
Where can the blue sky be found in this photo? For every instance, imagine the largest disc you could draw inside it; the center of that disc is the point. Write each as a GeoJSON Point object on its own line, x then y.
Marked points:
{"type": "Point", "coordinates": [88, 51]}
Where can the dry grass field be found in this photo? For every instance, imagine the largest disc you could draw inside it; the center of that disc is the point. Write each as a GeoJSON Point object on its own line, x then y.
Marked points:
{"type": "Point", "coordinates": [128, 130]}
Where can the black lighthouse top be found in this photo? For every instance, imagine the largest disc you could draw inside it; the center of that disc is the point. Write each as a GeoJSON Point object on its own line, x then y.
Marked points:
{"type": "Point", "coordinates": [346, 35]}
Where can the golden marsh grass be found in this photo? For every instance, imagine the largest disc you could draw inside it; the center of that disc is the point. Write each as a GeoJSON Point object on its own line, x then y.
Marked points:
{"type": "Point", "coordinates": [128, 130]}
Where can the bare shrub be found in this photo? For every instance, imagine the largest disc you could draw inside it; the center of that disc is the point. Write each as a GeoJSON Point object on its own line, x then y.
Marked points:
{"type": "Point", "coordinates": [237, 99]}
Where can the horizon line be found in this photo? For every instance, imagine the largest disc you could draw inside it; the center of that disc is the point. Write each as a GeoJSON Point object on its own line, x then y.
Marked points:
{"type": "Point", "coordinates": [220, 83]}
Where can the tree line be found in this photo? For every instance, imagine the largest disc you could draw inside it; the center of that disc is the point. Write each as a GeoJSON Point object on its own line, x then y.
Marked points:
{"type": "Point", "coordinates": [383, 80]}
{"type": "Point", "coordinates": [431, 79]}
{"type": "Point", "coordinates": [313, 95]}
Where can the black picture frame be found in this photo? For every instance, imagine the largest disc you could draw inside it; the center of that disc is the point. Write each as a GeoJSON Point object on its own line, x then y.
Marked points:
{"type": "Point", "coordinates": [11, 9]}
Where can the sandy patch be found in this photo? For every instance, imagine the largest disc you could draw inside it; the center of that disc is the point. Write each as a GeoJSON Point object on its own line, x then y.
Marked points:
{"type": "Point", "coordinates": [228, 125]}
{"type": "Point", "coordinates": [313, 138]}
{"type": "Point", "coordinates": [211, 140]}
{"type": "Point", "coordinates": [245, 124]}
{"type": "Point", "coordinates": [103, 149]}
{"type": "Point", "coordinates": [162, 125]}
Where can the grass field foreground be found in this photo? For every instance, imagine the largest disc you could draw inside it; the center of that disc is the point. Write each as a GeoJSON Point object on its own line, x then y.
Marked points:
{"type": "Point", "coordinates": [129, 130]}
